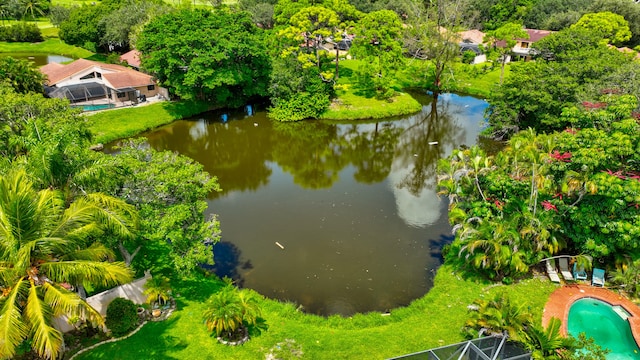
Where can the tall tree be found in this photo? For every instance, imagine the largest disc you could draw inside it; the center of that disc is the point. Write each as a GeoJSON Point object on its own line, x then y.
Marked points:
{"type": "Point", "coordinates": [432, 35]}
{"type": "Point", "coordinates": [210, 55]}
{"type": "Point", "coordinates": [44, 245]}
{"type": "Point", "coordinates": [378, 45]}
{"type": "Point", "coordinates": [611, 28]}
{"type": "Point", "coordinates": [169, 192]}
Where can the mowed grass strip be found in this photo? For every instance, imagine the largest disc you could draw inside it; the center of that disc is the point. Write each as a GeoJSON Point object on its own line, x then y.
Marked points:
{"type": "Point", "coordinates": [352, 104]}
{"type": "Point", "coordinates": [110, 125]}
{"type": "Point", "coordinates": [431, 321]}
{"type": "Point", "coordinates": [49, 46]}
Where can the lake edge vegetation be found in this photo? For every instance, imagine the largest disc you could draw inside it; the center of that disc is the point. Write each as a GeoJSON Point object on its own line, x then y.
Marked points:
{"type": "Point", "coordinates": [565, 169]}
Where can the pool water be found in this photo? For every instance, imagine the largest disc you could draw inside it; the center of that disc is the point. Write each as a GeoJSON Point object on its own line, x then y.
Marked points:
{"type": "Point", "coordinates": [95, 107]}
{"type": "Point", "coordinates": [599, 320]}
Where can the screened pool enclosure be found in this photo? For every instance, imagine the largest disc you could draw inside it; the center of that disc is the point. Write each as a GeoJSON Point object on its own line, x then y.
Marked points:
{"type": "Point", "coordinates": [495, 347]}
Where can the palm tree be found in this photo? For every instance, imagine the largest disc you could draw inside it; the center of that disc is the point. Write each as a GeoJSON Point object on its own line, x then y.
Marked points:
{"type": "Point", "coordinates": [44, 245]}
{"type": "Point", "coordinates": [157, 290]}
{"type": "Point", "coordinates": [230, 310]}
{"type": "Point", "coordinates": [499, 315]}
{"type": "Point", "coordinates": [548, 343]}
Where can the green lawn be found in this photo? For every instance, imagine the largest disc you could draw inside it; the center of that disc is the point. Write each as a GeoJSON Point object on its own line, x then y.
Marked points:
{"type": "Point", "coordinates": [350, 104]}
{"type": "Point", "coordinates": [116, 124]}
{"type": "Point", "coordinates": [49, 46]}
{"type": "Point", "coordinates": [431, 321]}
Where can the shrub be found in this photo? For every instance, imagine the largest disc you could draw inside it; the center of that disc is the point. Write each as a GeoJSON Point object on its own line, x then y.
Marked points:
{"type": "Point", "coordinates": [21, 32]}
{"type": "Point", "coordinates": [122, 316]}
{"type": "Point", "coordinates": [468, 56]}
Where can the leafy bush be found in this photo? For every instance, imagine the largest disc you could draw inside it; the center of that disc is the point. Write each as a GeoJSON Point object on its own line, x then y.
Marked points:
{"type": "Point", "coordinates": [468, 56]}
{"type": "Point", "coordinates": [122, 316]}
{"type": "Point", "coordinates": [21, 32]}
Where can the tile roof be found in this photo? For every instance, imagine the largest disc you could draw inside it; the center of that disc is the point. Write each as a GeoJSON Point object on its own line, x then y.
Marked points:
{"type": "Point", "coordinates": [474, 36]}
{"type": "Point", "coordinates": [119, 76]}
{"type": "Point", "coordinates": [132, 58]}
{"type": "Point", "coordinates": [535, 35]}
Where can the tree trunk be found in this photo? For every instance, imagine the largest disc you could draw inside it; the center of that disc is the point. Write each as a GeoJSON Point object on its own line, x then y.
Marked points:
{"type": "Point", "coordinates": [128, 257]}
{"type": "Point", "coordinates": [337, 60]}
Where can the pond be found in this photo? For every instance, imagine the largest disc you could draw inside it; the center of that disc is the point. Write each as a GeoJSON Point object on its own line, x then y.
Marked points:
{"type": "Point", "coordinates": [39, 59]}
{"type": "Point", "coordinates": [339, 218]}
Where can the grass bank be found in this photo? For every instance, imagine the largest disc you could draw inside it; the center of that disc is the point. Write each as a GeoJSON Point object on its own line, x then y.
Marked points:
{"type": "Point", "coordinates": [352, 104]}
{"type": "Point", "coordinates": [49, 46]}
{"type": "Point", "coordinates": [433, 320]}
{"type": "Point", "coordinates": [477, 80]}
{"type": "Point", "coordinates": [107, 126]}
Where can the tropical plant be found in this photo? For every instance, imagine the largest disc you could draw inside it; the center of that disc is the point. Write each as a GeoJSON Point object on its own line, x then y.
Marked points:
{"type": "Point", "coordinates": [497, 315]}
{"type": "Point", "coordinates": [547, 343]}
{"type": "Point", "coordinates": [21, 75]}
{"type": "Point", "coordinates": [45, 244]}
{"type": "Point", "coordinates": [231, 310]}
{"type": "Point", "coordinates": [158, 290]}
{"type": "Point", "coordinates": [627, 276]}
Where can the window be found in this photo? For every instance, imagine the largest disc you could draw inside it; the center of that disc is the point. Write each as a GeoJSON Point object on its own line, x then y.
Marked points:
{"type": "Point", "coordinates": [151, 87]}
{"type": "Point", "coordinates": [122, 94]}
{"type": "Point", "coordinates": [88, 76]}
{"type": "Point", "coordinates": [524, 45]}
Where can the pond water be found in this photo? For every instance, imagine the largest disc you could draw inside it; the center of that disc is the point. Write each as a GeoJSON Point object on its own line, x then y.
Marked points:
{"type": "Point", "coordinates": [40, 59]}
{"type": "Point", "coordinates": [339, 218]}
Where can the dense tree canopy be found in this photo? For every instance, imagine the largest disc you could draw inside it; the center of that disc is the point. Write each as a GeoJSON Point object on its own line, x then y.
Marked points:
{"type": "Point", "coordinates": [211, 55]}
{"type": "Point", "coordinates": [378, 44]}
{"type": "Point", "coordinates": [169, 192]}
{"type": "Point", "coordinates": [610, 27]}
{"type": "Point", "coordinates": [572, 191]}
{"type": "Point", "coordinates": [536, 92]}
{"type": "Point", "coordinates": [21, 75]}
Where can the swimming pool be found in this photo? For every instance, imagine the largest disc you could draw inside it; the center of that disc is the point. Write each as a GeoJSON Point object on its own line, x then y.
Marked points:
{"type": "Point", "coordinates": [95, 107]}
{"type": "Point", "coordinates": [606, 324]}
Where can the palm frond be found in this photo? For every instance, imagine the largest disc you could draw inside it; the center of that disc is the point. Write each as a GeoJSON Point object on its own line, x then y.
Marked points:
{"type": "Point", "coordinates": [65, 302]}
{"type": "Point", "coordinates": [115, 214]}
{"type": "Point", "coordinates": [13, 329]}
{"type": "Point", "coordinates": [76, 216]}
{"type": "Point", "coordinates": [47, 340]}
{"type": "Point", "coordinates": [95, 252]}
{"type": "Point", "coordinates": [78, 271]}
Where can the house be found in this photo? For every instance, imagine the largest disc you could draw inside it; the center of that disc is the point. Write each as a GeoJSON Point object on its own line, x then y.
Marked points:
{"type": "Point", "coordinates": [471, 40]}
{"type": "Point", "coordinates": [97, 83]}
{"type": "Point", "coordinates": [132, 58]}
{"type": "Point", "coordinates": [523, 49]}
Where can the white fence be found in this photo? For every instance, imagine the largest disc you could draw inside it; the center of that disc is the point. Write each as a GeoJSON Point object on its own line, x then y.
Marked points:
{"type": "Point", "coordinates": [132, 291]}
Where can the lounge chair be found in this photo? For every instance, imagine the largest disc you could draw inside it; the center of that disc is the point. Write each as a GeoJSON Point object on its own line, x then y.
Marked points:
{"type": "Point", "coordinates": [551, 271]}
{"type": "Point", "coordinates": [579, 273]}
{"type": "Point", "coordinates": [564, 269]}
{"type": "Point", "coordinates": [598, 277]}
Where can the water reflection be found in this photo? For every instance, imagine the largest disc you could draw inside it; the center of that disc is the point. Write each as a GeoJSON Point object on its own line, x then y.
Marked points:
{"type": "Point", "coordinates": [353, 203]}
{"type": "Point", "coordinates": [39, 59]}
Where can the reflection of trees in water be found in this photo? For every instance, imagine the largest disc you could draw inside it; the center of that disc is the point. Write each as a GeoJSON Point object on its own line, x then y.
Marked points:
{"type": "Point", "coordinates": [236, 152]}
{"type": "Point", "coordinates": [437, 124]}
{"type": "Point", "coordinates": [370, 152]}
{"type": "Point", "coordinates": [314, 152]}
{"type": "Point", "coordinates": [227, 262]}
{"type": "Point", "coordinates": [309, 152]}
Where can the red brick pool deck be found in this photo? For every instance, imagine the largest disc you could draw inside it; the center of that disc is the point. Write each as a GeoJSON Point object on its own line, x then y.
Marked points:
{"type": "Point", "coordinates": [561, 300]}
